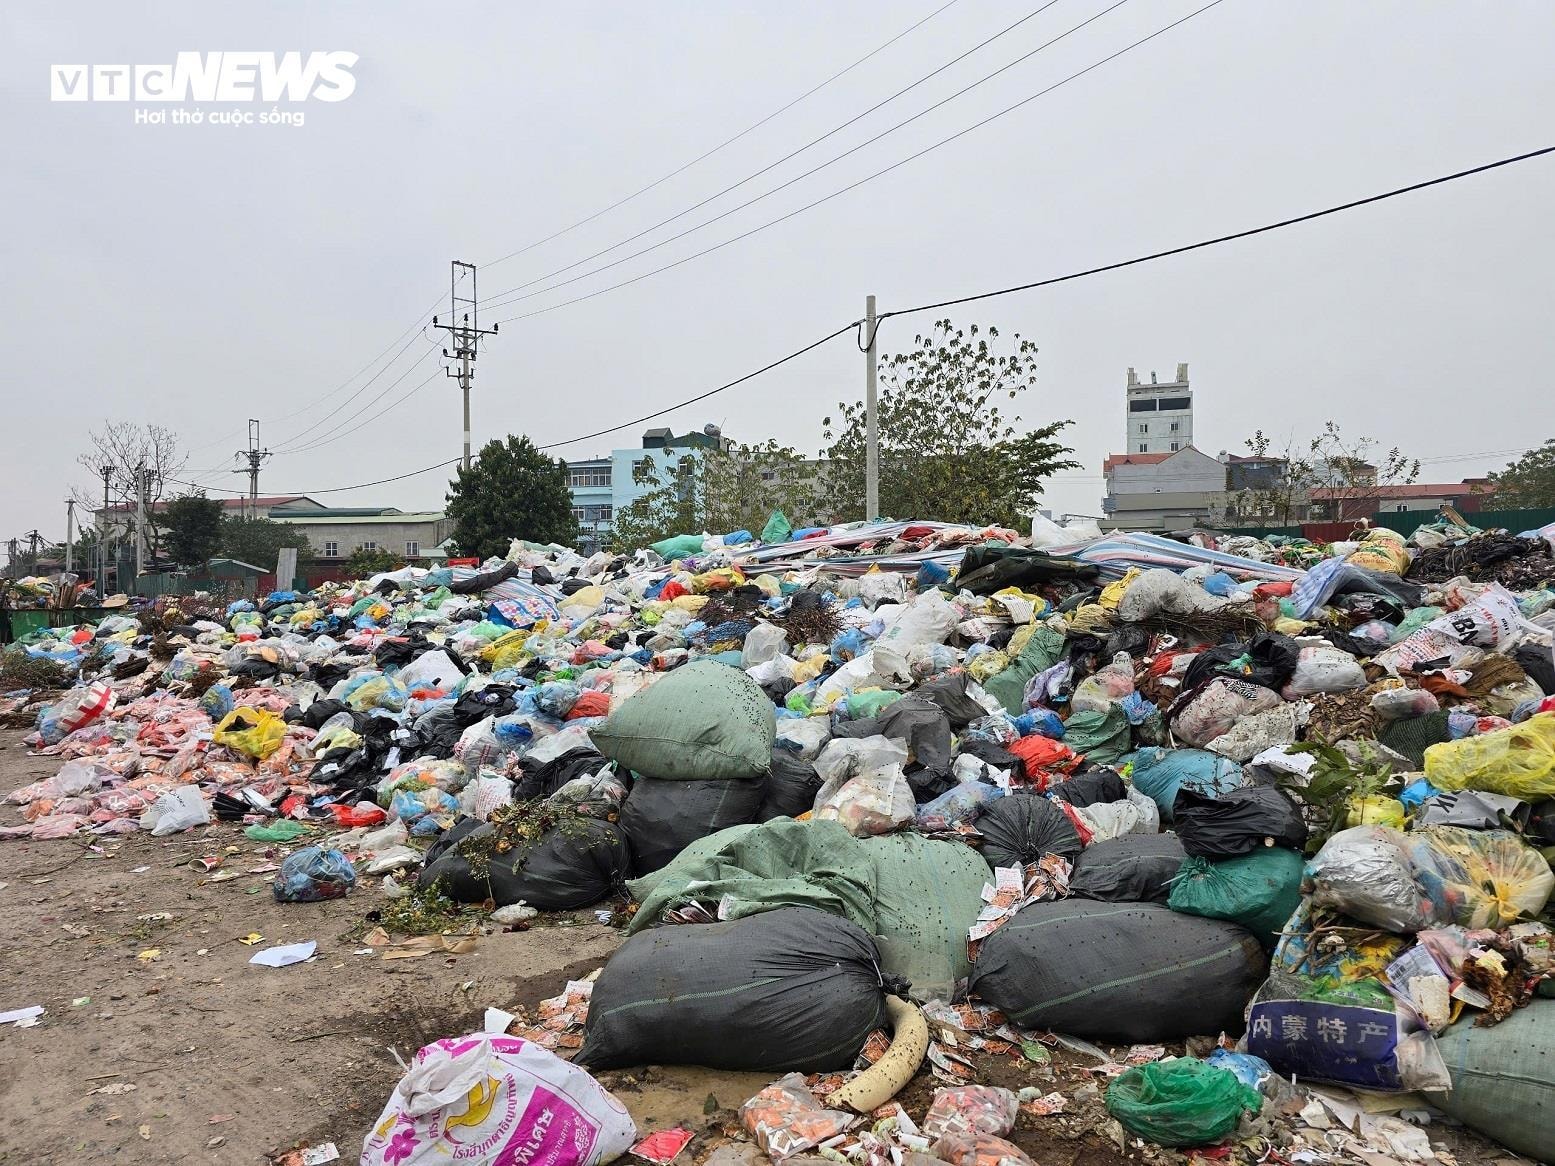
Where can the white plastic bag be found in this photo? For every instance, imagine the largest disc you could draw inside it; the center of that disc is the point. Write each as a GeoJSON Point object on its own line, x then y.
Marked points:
{"type": "Point", "coordinates": [929, 619]}
{"type": "Point", "coordinates": [178, 809]}
{"type": "Point", "coordinates": [847, 757]}
{"type": "Point", "coordinates": [876, 802]}
{"type": "Point", "coordinates": [806, 735]}
{"type": "Point", "coordinates": [483, 795]}
{"type": "Point", "coordinates": [763, 642]}
{"type": "Point", "coordinates": [430, 670]}
{"type": "Point", "coordinates": [486, 1098]}
{"type": "Point", "coordinates": [1321, 667]}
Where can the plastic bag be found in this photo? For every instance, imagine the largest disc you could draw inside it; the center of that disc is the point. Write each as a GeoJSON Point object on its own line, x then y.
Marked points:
{"type": "Point", "coordinates": [971, 1109]}
{"type": "Point", "coordinates": [1479, 878]}
{"type": "Point", "coordinates": [763, 643]}
{"type": "Point", "coordinates": [484, 795]}
{"type": "Point", "coordinates": [252, 732]}
{"type": "Point", "coordinates": [1365, 872]}
{"type": "Point", "coordinates": [979, 1150]}
{"type": "Point", "coordinates": [848, 757]}
{"type": "Point", "coordinates": [929, 619]}
{"type": "Point", "coordinates": [81, 706]}
{"type": "Point", "coordinates": [313, 874]}
{"type": "Point", "coordinates": [179, 809]}
{"type": "Point", "coordinates": [785, 1119]}
{"type": "Point", "coordinates": [957, 806]}
{"type": "Point", "coordinates": [1180, 1102]}
{"type": "Point", "coordinates": [1397, 704]}
{"type": "Point", "coordinates": [1099, 691]}
{"type": "Point", "coordinates": [876, 802]}
{"type": "Point", "coordinates": [497, 1099]}
{"type": "Point", "coordinates": [1518, 762]}
{"type": "Point", "coordinates": [1218, 706]}
{"type": "Point", "coordinates": [805, 736]}
{"type": "Point", "coordinates": [1322, 667]}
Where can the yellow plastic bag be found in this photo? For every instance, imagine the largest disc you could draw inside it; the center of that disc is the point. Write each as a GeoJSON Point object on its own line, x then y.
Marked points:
{"type": "Point", "coordinates": [252, 732]}
{"type": "Point", "coordinates": [1381, 550]}
{"type": "Point", "coordinates": [987, 665]}
{"type": "Point", "coordinates": [1375, 810]}
{"type": "Point", "coordinates": [1518, 762]}
{"type": "Point", "coordinates": [1112, 593]}
{"type": "Point", "coordinates": [1479, 878]}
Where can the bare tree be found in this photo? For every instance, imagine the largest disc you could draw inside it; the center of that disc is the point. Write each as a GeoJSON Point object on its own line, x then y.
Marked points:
{"type": "Point", "coordinates": [122, 450]}
{"type": "Point", "coordinates": [1325, 478]}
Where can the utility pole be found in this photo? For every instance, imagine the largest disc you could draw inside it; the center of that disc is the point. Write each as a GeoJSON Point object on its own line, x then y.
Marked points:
{"type": "Point", "coordinates": [871, 422]}
{"type": "Point", "coordinates": [70, 535]}
{"type": "Point", "coordinates": [465, 332]}
{"type": "Point", "coordinates": [33, 539]}
{"type": "Point", "coordinates": [140, 521]}
{"type": "Point", "coordinates": [102, 535]}
{"type": "Point", "coordinates": [255, 457]}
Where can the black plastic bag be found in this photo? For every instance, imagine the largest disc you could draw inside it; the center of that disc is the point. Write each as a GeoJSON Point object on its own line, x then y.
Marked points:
{"type": "Point", "coordinates": [949, 693]}
{"type": "Point", "coordinates": [1124, 972]}
{"type": "Point", "coordinates": [317, 713]}
{"type": "Point", "coordinates": [1539, 664]}
{"type": "Point", "coordinates": [495, 700]}
{"type": "Point", "coordinates": [1022, 827]}
{"type": "Point", "coordinates": [791, 787]}
{"type": "Point", "coordinates": [1272, 661]}
{"type": "Point", "coordinates": [662, 817]}
{"type": "Point", "coordinates": [789, 990]}
{"type": "Point", "coordinates": [919, 722]}
{"type": "Point", "coordinates": [1237, 822]}
{"type": "Point", "coordinates": [1087, 789]}
{"type": "Point", "coordinates": [578, 863]}
{"type": "Point", "coordinates": [1137, 868]}
{"type": "Point", "coordinates": [990, 754]}
{"type": "Point", "coordinates": [544, 780]}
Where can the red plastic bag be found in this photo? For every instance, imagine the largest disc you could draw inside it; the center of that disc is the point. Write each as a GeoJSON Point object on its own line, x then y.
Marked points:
{"type": "Point", "coordinates": [591, 703]}
{"type": "Point", "coordinates": [1043, 756]}
{"type": "Point", "coordinates": [350, 816]}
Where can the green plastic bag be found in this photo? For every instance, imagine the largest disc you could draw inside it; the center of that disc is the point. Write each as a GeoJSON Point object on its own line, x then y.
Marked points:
{"type": "Point", "coordinates": [1102, 737]}
{"type": "Point", "coordinates": [1260, 890]}
{"type": "Point", "coordinates": [701, 722]}
{"type": "Point", "coordinates": [252, 732]}
{"type": "Point", "coordinates": [1181, 1102]}
{"type": "Point", "coordinates": [777, 529]}
{"type": "Point", "coordinates": [678, 547]}
{"type": "Point", "coordinates": [283, 831]}
{"type": "Point", "coordinates": [1040, 653]}
{"type": "Point", "coordinates": [870, 702]}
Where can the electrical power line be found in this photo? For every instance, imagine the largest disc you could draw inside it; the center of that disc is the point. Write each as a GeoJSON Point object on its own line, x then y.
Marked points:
{"type": "Point", "coordinates": [341, 427]}
{"type": "Point", "coordinates": [867, 178]}
{"type": "Point", "coordinates": [333, 489]}
{"type": "Point", "coordinates": [790, 155]}
{"type": "Point", "coordinates": [726, 142]}
{"type": "Point", "coordinates": [858, 324]}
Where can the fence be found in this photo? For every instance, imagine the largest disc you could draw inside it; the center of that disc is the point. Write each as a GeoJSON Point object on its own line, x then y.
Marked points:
{"type": "Point", "coordinates": [1516, 521]}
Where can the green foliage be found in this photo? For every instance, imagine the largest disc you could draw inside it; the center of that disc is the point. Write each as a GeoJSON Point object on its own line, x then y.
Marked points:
{"type": "Point", "coordinates": [259, 541]}
{"type": "Point", "coordinates": [1335, 779]}
{"type": "Point", "coordinates": [192, 523]}
{"type": "Point", "coordinates": [717, 490]}
{"type": "Point", "coordinates": [947, 451]}
{"type": "Point", "coordinates": [363, 562]}
{"type": "Point", "coordinates": [512, 491]}
{"type": "Point", "coordinates": [1528, 482]}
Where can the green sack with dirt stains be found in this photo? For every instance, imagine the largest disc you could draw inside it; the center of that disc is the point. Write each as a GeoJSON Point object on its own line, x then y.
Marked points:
{"type": "Point", "coordinates": [1181, 1102]}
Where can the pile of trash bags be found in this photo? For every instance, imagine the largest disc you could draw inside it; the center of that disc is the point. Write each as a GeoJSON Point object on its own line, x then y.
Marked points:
{"type": "Point", "coordinates": [1303, 799]}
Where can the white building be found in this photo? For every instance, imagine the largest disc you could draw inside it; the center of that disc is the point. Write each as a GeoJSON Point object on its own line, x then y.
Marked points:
{"type": "Point", "coordinates": [1163, 491]}
{"type": "Point", "coordinates": [1159, 416]}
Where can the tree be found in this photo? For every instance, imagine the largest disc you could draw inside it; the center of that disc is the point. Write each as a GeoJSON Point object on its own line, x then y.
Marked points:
{"type": "Point", "coordinates": [259, 541]}
{"type": "Point", "coordinates": [717, 489]}
{"type": "Point", "coordinates": [512, 491]}
{"type": "Point", "coordinates": [133, 456]}
{"type": "Point", "coordinates": [363, 562]}
{"type": "Point", "coordinates": [193, 525]}
{"type": "Point", "coordinates": [1324, 478]}
{"type": "Point", "coordinates": [947, 452]}
{"type": "Point", "coordinates": [1528, 482]}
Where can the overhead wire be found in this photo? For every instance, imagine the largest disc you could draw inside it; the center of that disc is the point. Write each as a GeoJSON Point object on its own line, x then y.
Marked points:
{"type": "Point", "coordinates": [867, 178]}
{"type": "Point", "coordinates": [345, 427]}
{"type": "Point", "coordinates": [721, 145]}
{"type": "Point", "coordinates": [301, 446]}
{"type": "Point", "coordinates": [487, 301]}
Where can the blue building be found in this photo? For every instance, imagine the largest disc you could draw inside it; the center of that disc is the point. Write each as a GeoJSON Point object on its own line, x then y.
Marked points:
{"type": "Point", "coordinates": [602, 486]}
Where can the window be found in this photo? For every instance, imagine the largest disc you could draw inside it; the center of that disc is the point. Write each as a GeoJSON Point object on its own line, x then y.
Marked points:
{"type": "Point", "coordinates": [412, 549]}
{"type": "Point", "coordinates": [1174, 427]}
{"type": "Point", "coordinates": [1175, 447]}
{"type": "Point", "coordinates": [331, 550]}
{"type": "Point", "coordinates": [1143, 447]}
{"type": "Point", "coordinates": [769, 475]}
{"type": "Point", "coordinates": [1144, 427]}
{"type": "Point", "coordinates": [578, 513]}
{"type": "Point", "coordinates": [603, 513]}
{"type": "Point", "coordinates": [1176, 403]}
{"type": "Point", "coordinates": [1147, 406]}
{"type": "Point", "coordinates": [588, 476]}
{"type": "Point", "coordinates": [369, 546]}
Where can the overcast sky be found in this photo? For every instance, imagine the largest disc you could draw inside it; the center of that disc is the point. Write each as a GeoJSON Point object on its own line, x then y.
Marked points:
{"type": "Point", "coordinates": [195, 276]}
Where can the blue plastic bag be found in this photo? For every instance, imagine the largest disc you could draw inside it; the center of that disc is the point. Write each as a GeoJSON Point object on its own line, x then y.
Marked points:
{"type": "Point", "coordinates": [217, 701]}
{"type": "Point", "coordinates": [312, 874]}
{"type": "Point", "coordinates": [1160, 773]}
{"type": "Point", "coordinates": [957, 806]}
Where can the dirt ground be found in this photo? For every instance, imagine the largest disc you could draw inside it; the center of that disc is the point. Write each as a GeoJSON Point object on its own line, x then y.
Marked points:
{"type": "Point", "coordinates": [161, 1043]}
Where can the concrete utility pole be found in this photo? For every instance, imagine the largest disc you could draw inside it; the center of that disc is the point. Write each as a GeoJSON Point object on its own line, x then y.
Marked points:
{"type": "Point", "coordinates": [465, 332]}
{"type": "Point", "coordinates": [70, 535]}
{"type": "Point", "coordinates": [140, 521]}
{"type": "Point", "coordinates": [102, 535]}
{"type": "Point", "coordinates": [871, 422]}
{"type": "Point", "coordinates": [255, 457]}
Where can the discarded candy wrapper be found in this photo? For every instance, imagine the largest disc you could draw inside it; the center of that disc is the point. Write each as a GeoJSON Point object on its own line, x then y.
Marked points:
{"type": "Point", "coordinates": [662, 1146]}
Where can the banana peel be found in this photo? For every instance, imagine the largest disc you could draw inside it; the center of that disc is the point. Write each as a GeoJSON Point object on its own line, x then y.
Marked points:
{"type": "Point", "coordinates": [889, 1075]}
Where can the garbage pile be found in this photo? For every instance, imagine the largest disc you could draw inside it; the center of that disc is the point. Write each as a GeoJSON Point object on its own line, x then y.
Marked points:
{"type": "Point", "coordinates": [860, 790]}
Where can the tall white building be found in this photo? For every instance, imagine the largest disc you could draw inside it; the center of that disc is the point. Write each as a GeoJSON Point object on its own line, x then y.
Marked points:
{"type": "Point", "coordinates": [1159, 415]}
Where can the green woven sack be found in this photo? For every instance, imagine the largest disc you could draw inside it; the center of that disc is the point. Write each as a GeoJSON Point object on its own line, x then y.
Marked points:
{"type": "Point", "coordinates": [1181, 1102]}
{"type": "Point", "coordinates": [703, 721]}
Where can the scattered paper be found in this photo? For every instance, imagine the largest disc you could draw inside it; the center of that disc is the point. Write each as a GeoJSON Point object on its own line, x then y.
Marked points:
{"type": "Point", "coordinates": [285, 954]}
{"type": "Point", "coordinates": [318, 1155]}
{"type": "Point", "coordinates": [151, 953]}
{"type": "Point", "coordinates": [22, 1017]}
{"type": "Point", "coordinates": [1046, 1105]}
{"type": "Point", "coordinates": [114, 1088]}
{"type": "Point", "coordinates": [497, 1021]}
{"type": "Point", "coordinates": [252, 938]}
{"type": "Point", "coordinates": [418, 945]}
